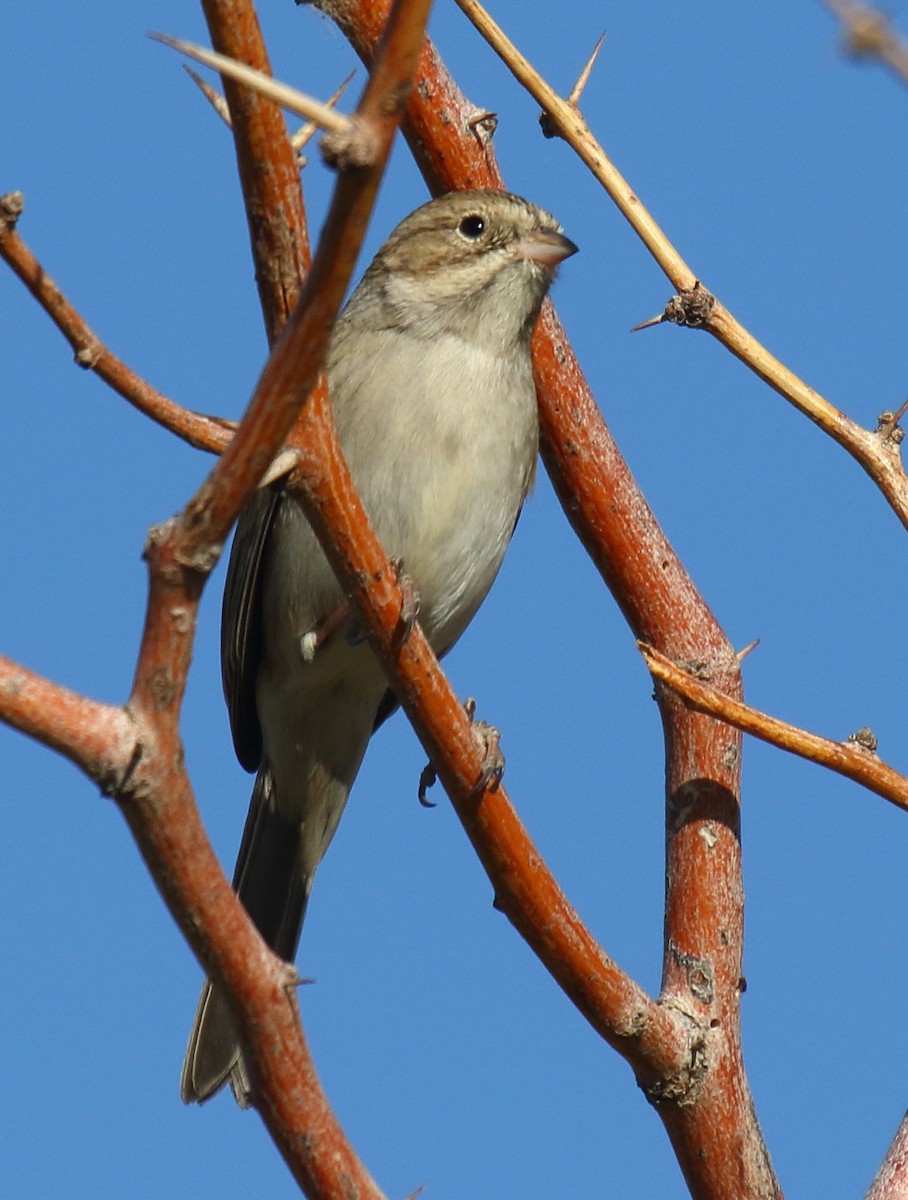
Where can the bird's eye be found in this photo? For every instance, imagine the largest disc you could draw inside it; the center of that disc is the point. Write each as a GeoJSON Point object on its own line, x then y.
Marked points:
{"type": "Point", "coordinates": [472, 227]}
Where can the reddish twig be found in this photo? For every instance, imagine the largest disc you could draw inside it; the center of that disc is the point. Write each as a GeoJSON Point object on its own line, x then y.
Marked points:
{"type": "Point", "coordinates": [136, 752]}
{"type": "Point", "coordinates": [269, 176]}
{"type": "Point", "coordinates": [852, 759]}
{"type": "Point", "coordinates": [99, 738]}
{"type": "Point", "coordinates": [205, 433]}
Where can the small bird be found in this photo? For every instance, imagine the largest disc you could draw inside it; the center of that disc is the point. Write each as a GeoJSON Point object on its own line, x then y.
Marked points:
{"type": "Point", "coordinates": [433, 397]}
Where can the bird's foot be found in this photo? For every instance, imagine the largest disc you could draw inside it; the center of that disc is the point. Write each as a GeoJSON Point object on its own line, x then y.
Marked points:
{"type": "Point", "coordinates": [488, 739]}
{"type": "Point", "coordinates": [409, 601]}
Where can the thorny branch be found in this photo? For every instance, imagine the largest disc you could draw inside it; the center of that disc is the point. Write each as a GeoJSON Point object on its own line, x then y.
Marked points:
{"type": "Point", "coordinates": [854, 758]}
{"type": "Point", "coordinates": [878, 457]}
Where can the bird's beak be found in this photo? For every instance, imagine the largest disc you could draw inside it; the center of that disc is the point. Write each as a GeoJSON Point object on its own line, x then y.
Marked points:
{"type": "Point", "coordinates": [545, 246]}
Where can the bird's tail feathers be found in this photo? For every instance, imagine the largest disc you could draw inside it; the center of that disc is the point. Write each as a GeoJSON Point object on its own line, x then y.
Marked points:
{"type": "Point", "coordinates": [274, 891]}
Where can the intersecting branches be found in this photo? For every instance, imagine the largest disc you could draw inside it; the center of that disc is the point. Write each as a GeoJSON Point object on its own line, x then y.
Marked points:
{"type": "Point", "coordinates": [622, 536]}
{"type": "Point", "coordinates": [135, 752]}
{"type": "Point", "coordinates": [854, 758]}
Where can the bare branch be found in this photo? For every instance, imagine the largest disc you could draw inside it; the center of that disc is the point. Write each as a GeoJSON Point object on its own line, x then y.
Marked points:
{"type": "Point", "coordinates": [287, 97]}
{"type": "Point", "coordinates": [204, 433]}
{"type": "Point", "coordinates": [604, 504]}
{"type": "Point", "coordinates": [99, 738]}
{"type": "Point", "coordinates": [879, 459]}
{"type": "Point", "coordinates": [214, 97]}
{"type": "Point", "coordinates": [269, 176]}
{"type": "Point", "coordinates": [159, 805]}
{"type": "Point", "coordinates": [851, 758]}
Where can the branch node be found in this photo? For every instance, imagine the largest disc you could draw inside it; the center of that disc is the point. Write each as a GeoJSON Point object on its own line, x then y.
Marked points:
{"type": "Point", "coordinates": [483, 124]}
{"type": "Point", "coordinates": [681, 1087]}
{"type": "Point", "coordinates": [353, 148]}
{"type": "Point", "coordinates": [691, 308]}
{"type": "Point", "coordinates": [88, 356]}
{"type": "Point", "coordinates": [888, 429]}
{"type": "Point", "coordinates": [867, 33]}
{"type": "Point", "coordinates": [12, 205]}
{"type": "Point", "coordinates": [547, 123]}
{"type": "Point", "coordinates": [863, 739]}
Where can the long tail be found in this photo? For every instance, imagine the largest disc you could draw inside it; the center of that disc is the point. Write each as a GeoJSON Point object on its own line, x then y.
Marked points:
{"type": "Point", "coordinates": [274, 892]}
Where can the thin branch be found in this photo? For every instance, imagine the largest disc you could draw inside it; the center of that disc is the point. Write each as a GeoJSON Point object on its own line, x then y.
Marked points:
{"type": "Point", "coordinates": [99, 738]}
{"type": "Point", "coordinates": [880, 459]}
{"type": "Point", "coordinates": [323, 115]}
{"type": "Point", "coordinates": [268, 171]}
{"type": "Point", "coordinates": [851, 759]}
{"type": "Point", "coordinates": [214, 97]}
{"type": "Point", "coordinates": [307, 132]}
{"type": "Point", "coordinates": [204, 433]}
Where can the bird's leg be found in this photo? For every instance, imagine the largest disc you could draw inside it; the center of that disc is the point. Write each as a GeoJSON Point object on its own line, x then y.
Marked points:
{"type": "Point", "coordinates": [316, 637]}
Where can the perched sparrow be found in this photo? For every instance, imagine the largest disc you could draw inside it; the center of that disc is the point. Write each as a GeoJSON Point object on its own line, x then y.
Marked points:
{"type": "Point", "coordinates": [432, 392]}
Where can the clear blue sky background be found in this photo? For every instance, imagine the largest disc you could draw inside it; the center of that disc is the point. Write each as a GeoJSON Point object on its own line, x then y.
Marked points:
{"type": "Point", "coordinates": [453, 1060]}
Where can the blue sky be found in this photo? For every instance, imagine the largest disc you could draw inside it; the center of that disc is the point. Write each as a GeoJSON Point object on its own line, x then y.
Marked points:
{"type": "Point", "coordinates": [779, 170]}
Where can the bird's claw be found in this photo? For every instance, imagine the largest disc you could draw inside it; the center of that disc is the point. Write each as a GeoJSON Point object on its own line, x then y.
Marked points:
{"type": "Point", "coordinates": [427, 778]}
{"type": "Point", "coordinates": [488, 738]}
{"type": "Point", "coordinates": [409, 601]}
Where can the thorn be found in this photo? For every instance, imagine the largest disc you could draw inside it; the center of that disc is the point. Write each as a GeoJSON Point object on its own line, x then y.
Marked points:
{"type": "Point", "coordinates": [214, 97]}
{"type": "Point", "coordinates": [648, 324]}
{"type": "Point", "coordinates": [264, 85]}
{"type": "Point", "coordinates": [483, 125]}
{"type": "Point", "coordinates": [584, 77]}
{"type": "Point", "coordinates": [691, 308]}
{"type": "Point", "coordinates": [306, 132]}
{"type": "Point", "coordinates": [748, 649]}
{"type": "Point", "coordinates": [546, 123]}
{"type": "Point", "coordinates": [286, 462]}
